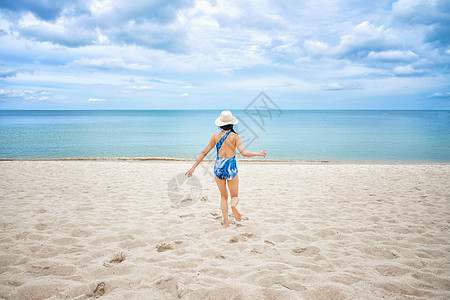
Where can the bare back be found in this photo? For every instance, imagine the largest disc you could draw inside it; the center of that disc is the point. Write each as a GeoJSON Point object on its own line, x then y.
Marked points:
{"type": "Point", "coordinates": [228, 148]}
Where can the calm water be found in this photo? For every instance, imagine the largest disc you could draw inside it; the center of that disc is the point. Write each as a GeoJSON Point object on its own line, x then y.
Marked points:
{"type": "Point", "coordinates": [287, 134]}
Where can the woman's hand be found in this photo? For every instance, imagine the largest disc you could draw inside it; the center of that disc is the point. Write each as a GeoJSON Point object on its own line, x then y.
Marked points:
{"type": "Point", "coordinates": [190, 172]}
{"type": "Point", "coordinates": [262, 153]}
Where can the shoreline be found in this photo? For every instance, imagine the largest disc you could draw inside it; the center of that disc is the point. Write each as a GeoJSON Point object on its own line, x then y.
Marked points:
{"type": "Point", "coordinates": [266, 161]}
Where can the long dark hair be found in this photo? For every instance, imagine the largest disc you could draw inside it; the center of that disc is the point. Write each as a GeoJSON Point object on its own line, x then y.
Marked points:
{"type": "Point", "coordinates": [228, 127]}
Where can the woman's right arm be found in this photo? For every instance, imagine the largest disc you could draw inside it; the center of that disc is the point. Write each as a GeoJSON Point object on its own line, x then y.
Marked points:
{"type": "Point", "coordinates": [246, 153]}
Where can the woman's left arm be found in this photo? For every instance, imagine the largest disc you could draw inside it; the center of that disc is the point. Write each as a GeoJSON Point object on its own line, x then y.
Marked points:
{"type": "Point", "coordinates": [202, 155]}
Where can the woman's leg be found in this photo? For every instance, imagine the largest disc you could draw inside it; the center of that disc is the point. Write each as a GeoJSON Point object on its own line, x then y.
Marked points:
{"type": "Point", "coordinates": [222, 185]}
{"type": "Point", "coordinates": [233, 185]}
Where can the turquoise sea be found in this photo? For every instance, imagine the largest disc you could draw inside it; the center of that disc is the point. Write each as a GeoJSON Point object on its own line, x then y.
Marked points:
{"type": "Point", "coordinates": [422, 136]}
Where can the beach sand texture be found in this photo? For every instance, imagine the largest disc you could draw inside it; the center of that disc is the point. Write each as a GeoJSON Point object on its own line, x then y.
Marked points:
{"type": "Point", "coordinates": [84, 229]}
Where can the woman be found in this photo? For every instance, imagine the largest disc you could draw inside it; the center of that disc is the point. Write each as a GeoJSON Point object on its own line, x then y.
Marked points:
{"type": "Point", "coordinates": [225, 169]}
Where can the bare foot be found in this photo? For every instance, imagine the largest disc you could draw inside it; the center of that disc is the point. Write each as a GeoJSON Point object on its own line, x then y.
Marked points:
{"type": "Point", "coordinates": [225, 225]}
{"type": "Point", "coordinates": [236, 213]}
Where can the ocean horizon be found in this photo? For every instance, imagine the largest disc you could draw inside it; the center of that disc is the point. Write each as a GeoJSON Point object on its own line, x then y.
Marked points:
{"type": "Point", "coordinates": [289, 134]}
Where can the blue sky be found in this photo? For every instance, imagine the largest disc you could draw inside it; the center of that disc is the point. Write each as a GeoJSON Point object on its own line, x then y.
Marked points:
{"type": "Point", "coordinates": [199, 54]}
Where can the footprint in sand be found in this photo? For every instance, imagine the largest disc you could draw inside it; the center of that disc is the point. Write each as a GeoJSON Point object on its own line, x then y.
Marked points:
{"type": "Point", "coordinates": [41, 226]}
{"type": "Point", "coordinates": [306, 251]}
{"type": "Point", "coordinates": [254, 251]}
{"type": "Point", "coordinates": [117, 259]}
{"type": "Point", "coordinates": [185, 216]}
{"type": "Point", "coordinates": [171, 285]}
{"type": "Point", "coordinates": [98, 291]}
{"type": "Point", "coordinates": [242, 237]}
{"type": "Point", "coordinates": [163, 247]}
{"type": "Point", "coordinates": [215, 216]}
{"type": "Point", "coordinates": [234, 239]}
{"type": "Point", "coordinates": [120, 257]}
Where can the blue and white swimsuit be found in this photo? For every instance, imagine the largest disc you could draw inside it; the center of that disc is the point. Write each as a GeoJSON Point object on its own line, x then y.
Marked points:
{"type": "Point", "coordinates": [225, 168]}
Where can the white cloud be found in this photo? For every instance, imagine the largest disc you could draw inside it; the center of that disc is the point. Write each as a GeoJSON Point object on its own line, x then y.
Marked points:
{"type": "Point", "coordinates": [96, 100]}
{"type": "Point", "coordinates": [184, 95]}
{"type": "Point", "coordinates": [110, 63]}
{"type": "Point", "coordinates": [5, 26]}
{"type": "Point", "coordinates": [393, 55]}
{"type": "Point", "coordinates": [440, 95]}
{"type": "Point", "coordinates": [316, 48]}
{"type": "Point", "coordinates": [65, 31]}
{"type": "Point", "coordinates": [267, 82]}
{"type": "Point", "coordinates": [102, 38]}
{"type": "Point", "coordinates": [415, 11]}
{"type": "Point", "coordinates": [220, 39]}
{"type": "Point", "coordinates": [140, 87]}
{"type": "Point", "coordinates": [366, 37]}
{"type": "Point", "coordinates": [7, 73]}
{"type": "Point", "coordinates": [28, 95]}
{"type": "Point", "coordinates": [100, 7]}
{"type": "Point", "coordinates": [407, 70]}
{"type": "Point", "coordinates": [333, 86]}
{"type": "Point", "coordinates": [429, 17]}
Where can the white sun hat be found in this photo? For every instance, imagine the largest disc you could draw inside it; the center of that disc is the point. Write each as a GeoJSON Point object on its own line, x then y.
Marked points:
{"type": "Point", "coordinates": [226, 118]}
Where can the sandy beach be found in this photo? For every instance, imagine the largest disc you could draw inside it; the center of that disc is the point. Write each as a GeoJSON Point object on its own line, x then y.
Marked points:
{"type": "Point", "coordinates": [108, 229]}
